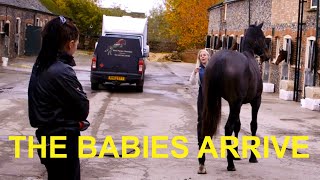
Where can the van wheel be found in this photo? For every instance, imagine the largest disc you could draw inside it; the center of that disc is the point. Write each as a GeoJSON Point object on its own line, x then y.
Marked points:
{"type": "Point", "coordinates": [139, 85]}
{"type": "Point", "coordinates": [94, 86]}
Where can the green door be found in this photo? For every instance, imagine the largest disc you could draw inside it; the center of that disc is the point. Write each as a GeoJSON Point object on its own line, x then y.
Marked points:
{"type": "Point", "coordinates": [33, 40]}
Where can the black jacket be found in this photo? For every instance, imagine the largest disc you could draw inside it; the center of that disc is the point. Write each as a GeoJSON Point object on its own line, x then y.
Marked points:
{"type": "Point", "coordinates": [55, 96]}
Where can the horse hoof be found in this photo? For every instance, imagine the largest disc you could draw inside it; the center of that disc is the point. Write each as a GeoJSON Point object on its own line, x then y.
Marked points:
{"type": "Point", "coordinates": [231, 168]}
{"type": "Point", "coordinates": [253, 160]}
{"type": "Point", "coordinates": [202, 170]}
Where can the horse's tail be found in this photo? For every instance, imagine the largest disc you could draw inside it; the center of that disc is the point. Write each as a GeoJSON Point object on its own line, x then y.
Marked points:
{"type": "Point", "coordinates": [212, 102]}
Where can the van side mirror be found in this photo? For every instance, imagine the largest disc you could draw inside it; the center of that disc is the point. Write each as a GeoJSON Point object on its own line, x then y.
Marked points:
{"type": "Point", "coordinates": [146, 51]}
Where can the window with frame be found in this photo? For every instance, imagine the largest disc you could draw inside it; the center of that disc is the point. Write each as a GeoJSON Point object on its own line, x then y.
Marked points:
{"type": "Point", "coordinates": [211, 41]}
{"type": "Point", "coordinates": [311, 54]}
{"type": "Point", "coordinates": [6, 28]}
{"type": "Point", "coordinates": [287, 46]}
{"type": "Point", "coordinates": [229, 42]}
{"type": "Point", "coordinates": [208, 41]}
{"type": "Point", "coordinates": [269, 43]}
{"type": "Point", "coordinates": [37, 22]}
{"type": "Point", "coordinates": [18, 25]}
{"type": "Point", "coordinates": [277, 47]}
{"type": "Point", "coordinates": [313, 4]}
{"type": "Point", "coordinates": [240, 44]}
{"type": "Point", "coordinates": [215, 42]}
{"type": "Point", "coordinates": [1, 26]}
{"type": "Point", "coordinates": [224, 42]}
{"type": "Point", "coordinates": [309, 61]}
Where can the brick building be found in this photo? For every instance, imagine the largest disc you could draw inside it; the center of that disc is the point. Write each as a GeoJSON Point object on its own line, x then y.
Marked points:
{"type": "Point", "coordinates": [229, 19]}
{"type": "Point", "coordinates": [20, 26]}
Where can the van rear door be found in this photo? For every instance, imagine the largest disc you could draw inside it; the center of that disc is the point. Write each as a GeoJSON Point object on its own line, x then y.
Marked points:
{"type": "Point", "coordinates": [119, 54]}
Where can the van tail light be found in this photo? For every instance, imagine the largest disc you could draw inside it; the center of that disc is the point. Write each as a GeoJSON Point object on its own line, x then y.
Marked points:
{"type": "Point", "coordinates": [94, 62]}
{"type": "Point", "coordinates": [141, 66]}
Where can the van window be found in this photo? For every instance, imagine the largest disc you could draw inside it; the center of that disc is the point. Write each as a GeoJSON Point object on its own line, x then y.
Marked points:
{"type": "Point", "coordinates": [121, 47]}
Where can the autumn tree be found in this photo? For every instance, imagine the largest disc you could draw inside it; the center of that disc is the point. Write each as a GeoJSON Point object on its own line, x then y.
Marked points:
{"type": "Point", "coordinates": [188, 21]}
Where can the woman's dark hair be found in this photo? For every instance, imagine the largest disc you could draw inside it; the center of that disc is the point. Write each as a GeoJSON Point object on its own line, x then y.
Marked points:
{"type": "Point", "coordinates": [56, 33]}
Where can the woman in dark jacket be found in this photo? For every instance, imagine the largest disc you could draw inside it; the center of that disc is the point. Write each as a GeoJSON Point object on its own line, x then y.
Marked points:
{"type": "Point", "coordinates": [197, 77]}
{"type": "Point", "coordinates": [58, 105]}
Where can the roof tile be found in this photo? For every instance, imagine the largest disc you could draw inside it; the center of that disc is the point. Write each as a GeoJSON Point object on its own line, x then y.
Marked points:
{"type": "Point", "coordinates": [27, 4]}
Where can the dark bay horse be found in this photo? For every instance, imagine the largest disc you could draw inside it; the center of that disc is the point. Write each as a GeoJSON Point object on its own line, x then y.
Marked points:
{"type": "Point", "coordinates": [282, 56]}
{"type": "Point", "coordinates": [235, 77]}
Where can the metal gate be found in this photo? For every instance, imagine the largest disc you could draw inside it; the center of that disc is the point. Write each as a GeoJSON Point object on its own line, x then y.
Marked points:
{"type": "Point", "coordinates": [33, 40]}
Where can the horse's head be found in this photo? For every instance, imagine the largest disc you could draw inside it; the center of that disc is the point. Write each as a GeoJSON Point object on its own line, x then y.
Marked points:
{"type": "Point", "coordinates": [282, 56]}
{"type": "Point", "coordinates": [255, 41]}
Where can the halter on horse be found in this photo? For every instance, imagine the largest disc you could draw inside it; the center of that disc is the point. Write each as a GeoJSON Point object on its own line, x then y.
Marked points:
{"type": "Point", "coordinates": [235, 77]}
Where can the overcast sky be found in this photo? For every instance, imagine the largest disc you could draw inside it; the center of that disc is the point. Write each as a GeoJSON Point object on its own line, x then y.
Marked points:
{"type": "Point", "coordinates": [132, 5]}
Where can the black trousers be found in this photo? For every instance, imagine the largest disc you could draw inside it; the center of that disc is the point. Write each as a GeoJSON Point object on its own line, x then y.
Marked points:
{"type": "Point", "coordinates": [199, 124]}
{"type": "Point", "coordinates": [62, 168]}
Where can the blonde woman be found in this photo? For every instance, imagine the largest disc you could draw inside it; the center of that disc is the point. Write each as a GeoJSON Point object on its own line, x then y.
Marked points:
{"type": "Point", "coordinates": [197, 77]}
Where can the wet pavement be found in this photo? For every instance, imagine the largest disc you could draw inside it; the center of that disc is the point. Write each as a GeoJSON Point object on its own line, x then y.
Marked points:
{"type": "Point", "coordinates": [167, 107]}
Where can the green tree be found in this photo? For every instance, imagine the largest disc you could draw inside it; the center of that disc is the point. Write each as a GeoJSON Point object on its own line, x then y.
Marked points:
{"type": "Point", "coordinates": [157, 25]}
{"type": "Point", "coordinates": [114, 11]}
{"type": "Point", "coordinates": [86, 14]}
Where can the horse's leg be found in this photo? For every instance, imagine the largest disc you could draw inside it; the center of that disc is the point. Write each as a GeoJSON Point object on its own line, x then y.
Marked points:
{"type": "Point", "coordinates": [229, 128]}
{"type": "Point", "coordinates": [237, 128]}
{"type": "Point", "coordinates": [255, 104]}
